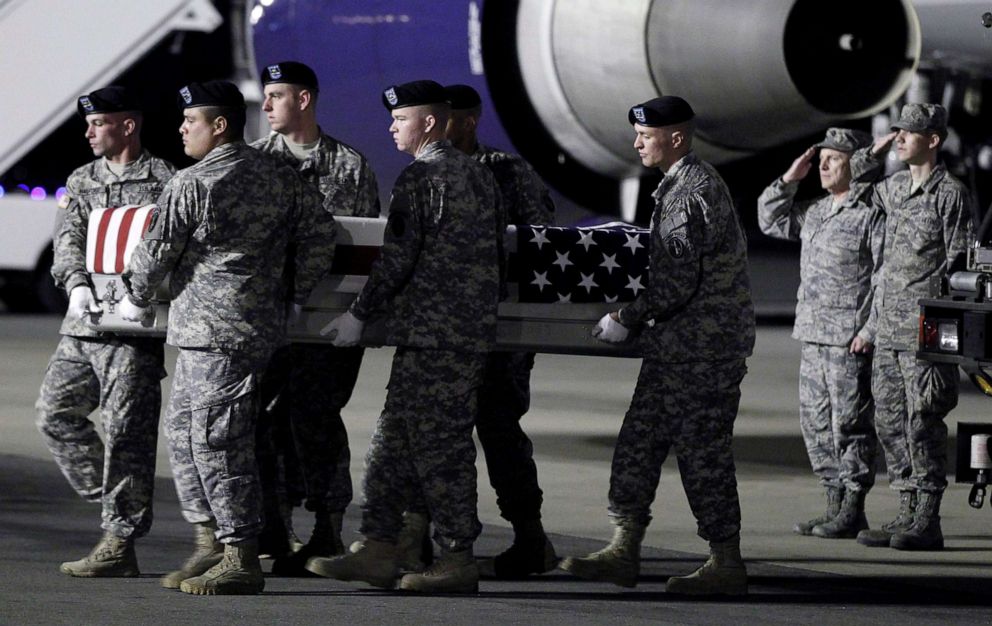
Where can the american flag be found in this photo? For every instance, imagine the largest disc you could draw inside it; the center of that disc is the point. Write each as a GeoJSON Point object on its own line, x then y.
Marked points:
{"type": "Point", "coordinates": [112, 235]}
{"type": "Point", "coordinates": [607, 263]}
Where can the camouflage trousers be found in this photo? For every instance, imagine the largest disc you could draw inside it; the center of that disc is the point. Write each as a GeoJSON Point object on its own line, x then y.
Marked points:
{"type": "Point", "coordinates": [424, 440]}
{"type": "Point", "coordinates": [691, 407]}
{"type": "Point", "coordinates": [912, 398]}
{"type": "Point", "coordinates": [504, 398]}
{"type": "Point", "coordinates": [836, 415]}
{"type": "Point", "coordinates": [121, 377]}
{"type": "Point", "coordinates": [210, 427]}
{"type": "Point", "coordinates": [305, 429]}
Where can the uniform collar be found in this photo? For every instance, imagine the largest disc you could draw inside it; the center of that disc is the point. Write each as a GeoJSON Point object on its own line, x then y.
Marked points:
{"type": "Point", "coordinates": [135, 170]}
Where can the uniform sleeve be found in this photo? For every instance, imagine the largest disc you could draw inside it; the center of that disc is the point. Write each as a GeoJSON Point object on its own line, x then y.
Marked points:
{"type": "Point", "coordinates": [876, 243]}
{"type": "Point", "coordinates": [367, 194]}
{"type": "Point", "coordinates": [533, 202]}
{"type": "Point", "coordinates": [314, 236]}
{"type": "Point", "coordinates": [69, 263]}
{"type": "Point", "coordinates": [677, 243]}
{"type": "Point", "coordinates": [956, 211]}
{"type": "Point", "coordinates": [169, 231]}
{"type": "Point", "coordinates": [401, 246]}
{"type": "Point", "coordinates": [779, 215]}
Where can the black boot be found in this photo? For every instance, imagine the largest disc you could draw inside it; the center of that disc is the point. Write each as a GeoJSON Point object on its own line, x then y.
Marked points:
{"type": "Point", "coordinates": [850, 519]}
{"type": "Point", "coordinates": [531, 553]}
{"type": "Point", "coordinates": [834, 497]}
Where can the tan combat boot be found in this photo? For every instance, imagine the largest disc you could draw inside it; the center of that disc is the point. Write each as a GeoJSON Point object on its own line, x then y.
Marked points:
{"type": "Point", "coordinates": [373, 562]}
{"type": "Point", "coordinates": [618, 563]}
{"type": "Point", "coordinates": [207, 552]}
{"type": "Point", "coordinates": [112, 557]}
{"type": "Point", "coordinates": [239, 573]}
{"type": "Point", "coordinates": [454, 572]}
{"type": "Point", "coordinates": [722, 574]}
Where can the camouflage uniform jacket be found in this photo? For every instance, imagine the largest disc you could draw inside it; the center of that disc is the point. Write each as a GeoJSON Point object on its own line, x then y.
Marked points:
{"type": "Point", "coordinates": [839, 263]}
{"type": "Point", "coordinates": [224, 232]}
{"type": "Point", "coordinates": [94, 186]}
{"type": "Point", "coordinates": [436, 280]}
{"type": "Point", "coordinates": [924, 230]}
{"type": "Point", "coordinates": [525, 197]}
{"type": "Point", "coordinates": [339, 172]}
{"type": "Point", "coordinates": [699, 294]}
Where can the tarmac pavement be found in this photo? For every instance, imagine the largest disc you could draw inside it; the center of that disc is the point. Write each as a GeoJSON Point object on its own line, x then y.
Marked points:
{"type": "Point", "coordinates": [577, 406]}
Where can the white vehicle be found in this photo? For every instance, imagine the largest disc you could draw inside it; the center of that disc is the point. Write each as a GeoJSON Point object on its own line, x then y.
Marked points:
{"type": "Point", "coordinates": [26, 253]}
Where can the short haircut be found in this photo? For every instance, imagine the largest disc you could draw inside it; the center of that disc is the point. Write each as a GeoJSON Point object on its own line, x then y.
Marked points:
{"type": "Point", "coordinates": [235, 116]}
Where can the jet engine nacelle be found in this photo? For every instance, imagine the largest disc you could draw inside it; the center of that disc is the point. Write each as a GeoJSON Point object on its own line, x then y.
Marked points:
{"type": "Point", "coordinates": [757, 73]}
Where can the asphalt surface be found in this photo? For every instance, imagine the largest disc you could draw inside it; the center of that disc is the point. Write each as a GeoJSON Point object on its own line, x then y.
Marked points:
{"type": "Point", "coordinates": [577, 406]}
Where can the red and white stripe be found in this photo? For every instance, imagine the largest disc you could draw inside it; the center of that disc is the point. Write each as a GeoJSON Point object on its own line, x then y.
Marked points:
{"type": "Point", "coordinates": [112, 235]}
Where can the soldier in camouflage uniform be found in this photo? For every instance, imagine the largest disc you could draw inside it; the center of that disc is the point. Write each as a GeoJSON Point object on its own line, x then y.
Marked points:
{"type": "Point", "coordinates": [842, 239]}
{"type": "Point", "coordinates": [436, 283]}
{"type": "Point", "coordinates": [223, 238]}
{"type": "Point", "coordinates": [320, 378]}
{"type": "Point", "coordinates": [695, 325]}
{"type": "Point", "coordinates": [90, 369]}
{"type": "Point", "coordinates": [928, 223]}
{"type": "Point", "coordinates": [505, 393]}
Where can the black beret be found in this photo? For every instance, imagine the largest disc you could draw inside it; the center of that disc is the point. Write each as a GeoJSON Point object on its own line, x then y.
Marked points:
{"type": "Point", "coordinates": [213, 93]}
{"type": "Point", "coordinates": [663, 111]}
{"type": "Point", "coordinates": [111, 99]}
{"type": "Point", "coordinates": [413, 94]}
{"type": "Point", "coordinates": [290, 72]}
{"type": "Point", "coordinates": [462, 97]}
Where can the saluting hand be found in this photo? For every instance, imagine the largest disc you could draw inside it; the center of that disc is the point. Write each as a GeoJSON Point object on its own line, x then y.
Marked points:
{"type": "Point", "coordinates": [800, 167]}
{"type": "Point", "coordinates": [610, 330]}
{"type": "Point", "coordinates": [344, 330]}
{"type": "Point", "coordinates": [883, 143]}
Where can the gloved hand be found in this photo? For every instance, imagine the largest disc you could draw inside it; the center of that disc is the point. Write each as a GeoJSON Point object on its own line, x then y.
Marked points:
{"type": "Point", "coordinates": [344, 330]}
{"type": "Point", "coordinates": [82, 303]}
{"type": "Point", "coordinates": [134, 313]}
{"type": "Point", "coordinates": [609, 330]}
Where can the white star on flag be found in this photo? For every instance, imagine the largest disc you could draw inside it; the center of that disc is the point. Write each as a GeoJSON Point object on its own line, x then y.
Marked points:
{"type": "Point", "coordinates": [587, 282]}
{"type": "Point", "coordinates": [564, 298]}
{"type": "Point", "coordinates": [541, 280]}
{"type": "Point", "coordinates": [611, 299]}
{"type": "Point", "coordinates": [634, 284]}
{"type": "Point", "coordinates": [632, 243]}
{"type": "Point", "coordinates": [562, 260]}
{"type": "Point", "coordinates": [586, 240]}
{"type": "Point", "coordinates": [610, 263]}
{"type": "Point", "coordinates": [539, 238]}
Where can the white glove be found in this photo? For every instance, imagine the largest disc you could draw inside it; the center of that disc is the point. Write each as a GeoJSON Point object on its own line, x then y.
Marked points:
{"type": "Point", "coordinates": [134, 313]}
{"type": "Point", "coordinates": [610, 331]}
{"type": "Point", "coordinates": [81, 302]}
{"type": "Point", "coordinates": [344, 330]}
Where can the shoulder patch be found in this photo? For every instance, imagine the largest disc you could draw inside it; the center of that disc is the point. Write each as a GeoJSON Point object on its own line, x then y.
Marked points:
{"type": "Point", "coordinates": [154, 229]}
{"type": "Point", "coordinates": [64, 201]}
